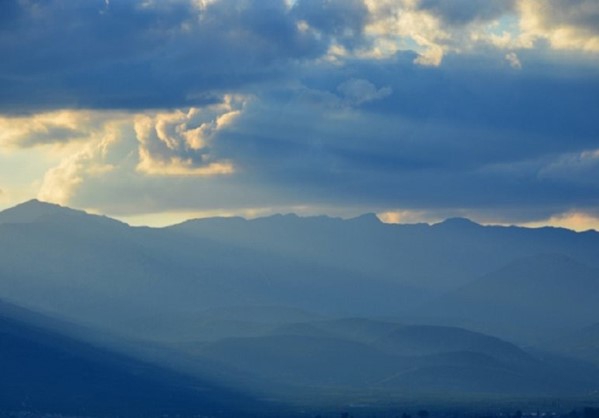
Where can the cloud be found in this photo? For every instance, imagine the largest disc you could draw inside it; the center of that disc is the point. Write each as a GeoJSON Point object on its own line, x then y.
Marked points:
{"type": "Point", "coordinates": [358, 91]}
{"type": "Point", "coordinates": [513, 59]}
{"type": "Point", "coordinates": [436, 28]}
{"type": "Point", "coordinates": [575, 220]}
{"type": "Point", "coordinates": [399, 25]}
{"type": "Point", "coordinates": [140, 55]}
{"type": "Point", "coordinates": [564, 24]}
{"type": "Point", "coordinates": [48, 128]}
{"type": "Point", "coordinates": [576, 169]}
{"type": "Point", "coordinates": [461, 139]}
{"type": "Point", "coordinates": [407, 107]}
{"type": "Point", "coordinates": [179, 143]}
{"type": "Point", "coordinates": [462, 12]}
{"type": "Point", "coordinates": [136, 55]}
{"type": "Point", "coordinates": [98, 156]}
{"type": "Point", "coordinates": [342, 20]}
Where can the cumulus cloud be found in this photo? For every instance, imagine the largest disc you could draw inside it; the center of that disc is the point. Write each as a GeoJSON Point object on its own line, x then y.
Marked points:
{"type": "Point", "coordinates": [179, 143]}
{"type": "Point", "coordinates": [435, 28]}
{"type": "Point", "coordinates": [565, 24]}
{"type": "Point", "coordinates": [125, 146]}
{"type": "Point", "coordinates": [400, 25]}
{"type": "Point", "coordinates": [91, 159]}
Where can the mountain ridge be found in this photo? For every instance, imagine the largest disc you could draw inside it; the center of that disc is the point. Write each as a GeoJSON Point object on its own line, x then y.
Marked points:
{"type": "Point", "coordinates": [225, 286]}
{"type": "Point", "coordinates": [34, 209]}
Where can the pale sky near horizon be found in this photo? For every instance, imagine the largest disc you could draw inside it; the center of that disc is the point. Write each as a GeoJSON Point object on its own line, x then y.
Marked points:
{"type": "Point", "coordinates": [418, 110]}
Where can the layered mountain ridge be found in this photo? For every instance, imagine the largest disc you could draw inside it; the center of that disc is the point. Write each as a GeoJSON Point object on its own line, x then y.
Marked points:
{"type": "Point", "coordinates": [285, 305]}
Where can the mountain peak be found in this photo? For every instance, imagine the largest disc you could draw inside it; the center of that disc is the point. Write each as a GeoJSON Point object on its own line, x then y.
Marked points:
{"type": "Point", "coordinates": [37, 203]}
{"type": "Point", "coordinates": [35, 210]}
{"type": "Point", "coordinates": [31, 211]}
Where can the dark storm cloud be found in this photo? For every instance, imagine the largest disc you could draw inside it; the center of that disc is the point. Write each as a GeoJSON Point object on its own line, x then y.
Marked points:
{"type": "Point", "coordinates": [460, 12]}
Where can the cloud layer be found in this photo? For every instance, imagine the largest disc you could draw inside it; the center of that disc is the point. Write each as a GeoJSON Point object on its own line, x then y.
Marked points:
{"type": "Point", "coordinates": [427, 107]}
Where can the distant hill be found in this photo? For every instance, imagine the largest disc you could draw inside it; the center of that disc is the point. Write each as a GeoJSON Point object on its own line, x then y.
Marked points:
{"type": "Point", "coordinates": [581, 344]}
{"type": "Point", "coordinates": [366, 354]}
{"type": "Point", "coordinates": [529, 299]}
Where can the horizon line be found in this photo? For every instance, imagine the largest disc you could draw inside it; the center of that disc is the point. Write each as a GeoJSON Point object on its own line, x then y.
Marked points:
{"type": "Point", "coordinates": [167, 219]}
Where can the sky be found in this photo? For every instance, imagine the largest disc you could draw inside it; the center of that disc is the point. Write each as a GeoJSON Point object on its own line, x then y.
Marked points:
{"type": "Point", "coordinates": [155, 111]}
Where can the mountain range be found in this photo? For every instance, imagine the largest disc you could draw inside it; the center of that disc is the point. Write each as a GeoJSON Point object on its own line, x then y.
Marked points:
{"type": "Point", "coordinates": [284, 306]}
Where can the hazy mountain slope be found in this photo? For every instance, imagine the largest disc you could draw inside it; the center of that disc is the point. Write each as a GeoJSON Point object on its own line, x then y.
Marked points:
{"type": "Point", "coordinates": [217, 323]}
{"type": "Point", "coordinates": [346, 354]}
{"type": "Point", "coordinates": [438, 257]}
{"type": "Point", "coordinates": [104, 273]}
{"type": "Point", "coordinates": [360, 330]}
{"type": "Point", "coordinates": [108, 274]}
{"type": "Point", "coordinates": [46, 371]}
{"type": "Point", "coordinates": [582, 344]}
{"type": "Point", "coordinates": [531, 298]}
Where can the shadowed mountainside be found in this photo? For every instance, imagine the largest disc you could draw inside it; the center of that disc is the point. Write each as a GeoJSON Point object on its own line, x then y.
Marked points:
{"type": "Point", "coordinates": [43, 370]}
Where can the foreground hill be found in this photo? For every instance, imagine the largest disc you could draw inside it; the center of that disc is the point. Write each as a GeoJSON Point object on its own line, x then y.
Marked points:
{"type": "Point", "coordinates": [43, 370]}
